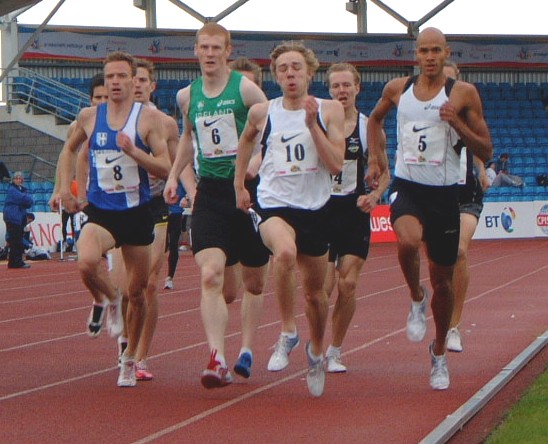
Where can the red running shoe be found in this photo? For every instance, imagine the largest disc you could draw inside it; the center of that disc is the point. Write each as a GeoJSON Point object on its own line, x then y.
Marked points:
{"type": "Point", "coordinates": [215, 375]}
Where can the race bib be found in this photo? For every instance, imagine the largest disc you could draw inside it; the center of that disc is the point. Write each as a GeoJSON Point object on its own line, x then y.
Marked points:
{"type": "Point", "coordinates": [425, 143]}
{"type": "Point", "coordinates": [294, 153]}
{"type": "Point", "coordinates": [346, 181]}
{"type": "Point", "coordinates": [218, 135]}
{"type": "Point", "coordinates": [116, 172]}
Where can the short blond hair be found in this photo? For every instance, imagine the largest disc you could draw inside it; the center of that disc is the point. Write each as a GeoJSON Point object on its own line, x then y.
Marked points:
{"type": "Point", "coordinates": [297, 46]}
{"type": "Point", "coordinates": [148, 65]}
{"type": "Point", "coordinates": [244, 64]}
{"type": "Point", "coordinates": [342, 67]}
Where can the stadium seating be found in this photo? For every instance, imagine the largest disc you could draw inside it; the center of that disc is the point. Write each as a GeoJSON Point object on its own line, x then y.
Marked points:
{"type": "Point", "coordinates": [515, 114]}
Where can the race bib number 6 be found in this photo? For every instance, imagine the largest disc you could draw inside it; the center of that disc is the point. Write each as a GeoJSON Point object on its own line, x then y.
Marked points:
{"type": "Point", "coordinates": [217, 135]}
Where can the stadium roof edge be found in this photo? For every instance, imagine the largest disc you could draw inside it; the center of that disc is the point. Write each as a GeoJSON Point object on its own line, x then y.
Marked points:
{"type": "Point", "coordinates": [8, 6]}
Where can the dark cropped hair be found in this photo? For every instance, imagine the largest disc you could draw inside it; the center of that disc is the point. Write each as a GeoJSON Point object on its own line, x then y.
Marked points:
{"type": "Point", "coordinates": [96, 80]}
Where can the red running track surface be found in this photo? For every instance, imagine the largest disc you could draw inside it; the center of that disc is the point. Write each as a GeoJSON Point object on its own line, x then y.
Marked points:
{"type": "Point", "coordinates": [59, 386]}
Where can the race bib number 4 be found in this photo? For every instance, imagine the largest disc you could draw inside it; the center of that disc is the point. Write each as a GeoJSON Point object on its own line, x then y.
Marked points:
{"type": "Point", "coordinates": [425, 143]}
{"type": "Point", "coordinates": [116, 172]}
{"type": "Point", "coordinates": [346, 181]}
{"type": "Point", "coordinates": [217, 135]}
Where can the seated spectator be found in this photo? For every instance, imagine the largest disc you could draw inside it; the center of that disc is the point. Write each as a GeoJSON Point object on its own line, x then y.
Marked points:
{"type": "Point", "coordinates": [504, 178]}
{"type": "Point", "coordinates": [491, 172]}
{"type": "Point", "coordinates": [28, 241]}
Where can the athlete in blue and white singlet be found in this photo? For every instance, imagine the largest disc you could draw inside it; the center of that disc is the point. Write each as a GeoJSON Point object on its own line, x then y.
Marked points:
{"type": "Point", "coordinates": [116, 181]}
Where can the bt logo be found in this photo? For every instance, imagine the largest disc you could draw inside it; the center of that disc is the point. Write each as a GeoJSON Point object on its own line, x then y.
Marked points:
{"type": "Point", "coordinates": [505, 220]}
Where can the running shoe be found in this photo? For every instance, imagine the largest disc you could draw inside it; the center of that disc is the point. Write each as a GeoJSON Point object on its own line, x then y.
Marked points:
{"type": "Point", "coordinates": [168, 284]}
{"type": "Point", "coordinates": [127, 378]}
{"type": "Point", "coordinates": [334, 363]}
{"type": "Point", "coordinates": [141, 371]}
{"type": "Point", "coordinates": [115, 320]}
{"type": "Point", "coordinates": [454, 341]}
{"type": "Point", "coordinates": [315, 378]}
{"type": "Point", "coordinates": [243, 365]}
{"type": "Point", "coordinates": [439, 375]}
{"type": "Point", "coordinates": [215, 375]}
{"type": "Point", "coordinates": [280, 358]}
{"type": "Point", "coordinates": [122, 345]}
{"type": "Point", "coordinates": [95, 319]}
{"type": "Point", "coordinates": [416, 320]}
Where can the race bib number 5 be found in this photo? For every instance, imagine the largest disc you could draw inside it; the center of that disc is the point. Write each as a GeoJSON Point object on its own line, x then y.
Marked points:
{"type": "Point", "coordinates": [425, 143]}
{"type": "Point", "coordinates": [116, 172]}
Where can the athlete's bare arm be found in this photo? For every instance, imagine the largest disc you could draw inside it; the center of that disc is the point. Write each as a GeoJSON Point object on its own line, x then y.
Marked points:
{"type": "Point", "coordinates": [67, 158]}
{"type": "Point", "coordinates": [377, 149]}
{"type": "Point", "coordinates": [248, 139]}
{"type": "Point", "coordinates": [464, 113]}
{"type": "Point", "coordinates": [185, 149]}
{"type": "Point", "coordinates": [153, 135]}
{"type": "Point", "coordinates": [330, 145]}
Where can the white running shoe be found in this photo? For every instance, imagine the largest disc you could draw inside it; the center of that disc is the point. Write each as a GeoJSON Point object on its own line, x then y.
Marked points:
{"type": "Point", "coordinates": [454, 341]}
{"type": "Point", "coordinates": [115, 320]}
{"type": "Point", "coordinates": [168, 284]}
{"type": "Point", "coordinates": [334, 364]}
{"type": "Point", "coordinates": [127, 377]}
{"type": "Point", "coordinates": [439, 375]}
{"type": "Point", "coordinates": [416, 320]}
{"type": "Point", "coordinates": [280, 358]}
{"type": "Point", "coordinates": [122, 345]}
{"type": "Point", "coordinates": [315, 378]}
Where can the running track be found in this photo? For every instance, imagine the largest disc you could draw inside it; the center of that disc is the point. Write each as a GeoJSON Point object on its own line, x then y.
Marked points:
{"type": "Point", "coordinates": [59, 386]}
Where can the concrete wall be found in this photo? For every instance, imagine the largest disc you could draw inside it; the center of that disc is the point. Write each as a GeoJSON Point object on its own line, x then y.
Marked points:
{"type": "Point", "coordinates": [17, 138]}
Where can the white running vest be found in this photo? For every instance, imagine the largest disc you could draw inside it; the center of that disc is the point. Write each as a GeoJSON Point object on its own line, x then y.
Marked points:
{"type": "Point", "coordinates": [425, 151]}
{"type": "Point", "coordinates": [292, 175]}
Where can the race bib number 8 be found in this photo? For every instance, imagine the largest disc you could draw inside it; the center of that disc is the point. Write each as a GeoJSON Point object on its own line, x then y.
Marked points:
{"type": "Point", "coordinates": [425, 143]}
{"type": "Point", "coordinates": [116, 172]}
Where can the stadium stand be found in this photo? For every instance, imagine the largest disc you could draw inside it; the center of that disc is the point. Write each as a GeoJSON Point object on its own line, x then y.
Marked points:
{"type": "Point", "coordinates": [515, 114]}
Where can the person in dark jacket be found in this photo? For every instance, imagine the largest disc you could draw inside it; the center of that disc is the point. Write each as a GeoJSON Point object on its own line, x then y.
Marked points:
{"type": "Point", "coordinates": [18, 201]}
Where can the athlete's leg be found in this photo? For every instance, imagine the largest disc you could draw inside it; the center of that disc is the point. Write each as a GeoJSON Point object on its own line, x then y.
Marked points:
{"type": "Point", "coordinates": [461, 276]}
{"type": "Point", "coordinates": [409, 233]}
{"type": "Point", "coordinates": [313, 270]}
{"type": "Point", "coordinates": [345, 306]}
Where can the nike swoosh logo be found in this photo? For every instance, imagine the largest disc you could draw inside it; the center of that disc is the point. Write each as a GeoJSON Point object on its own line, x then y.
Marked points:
{"type": "Point", "coordinates": [114, 159]}
{"type": "Point", "coordinates": [287, 139]}
{"type": "Point", "coordinates": [416, 130]}
{"type": "Point", "coordinates": [206, 123]}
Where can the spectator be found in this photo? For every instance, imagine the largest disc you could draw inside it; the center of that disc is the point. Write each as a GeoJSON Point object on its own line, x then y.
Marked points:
{"type": "Point", "coordinates": [491, 172]}
{"type": "Point", "coordinates": [28, 241]}
{"type": "Point", "coordinates": [17, 202]}
{"type": "Point", "coordinates": [504, 178]}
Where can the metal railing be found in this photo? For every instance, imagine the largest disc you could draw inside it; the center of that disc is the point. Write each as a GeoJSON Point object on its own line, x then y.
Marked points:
{"type": "Point", "coordinates": [43, 95]}
{"type": "Point", "coordinates": [35, 168]}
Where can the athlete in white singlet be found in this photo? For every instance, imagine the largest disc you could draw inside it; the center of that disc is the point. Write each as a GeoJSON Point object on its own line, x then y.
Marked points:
{"type": "Point", "coordinates": [433, 113]}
